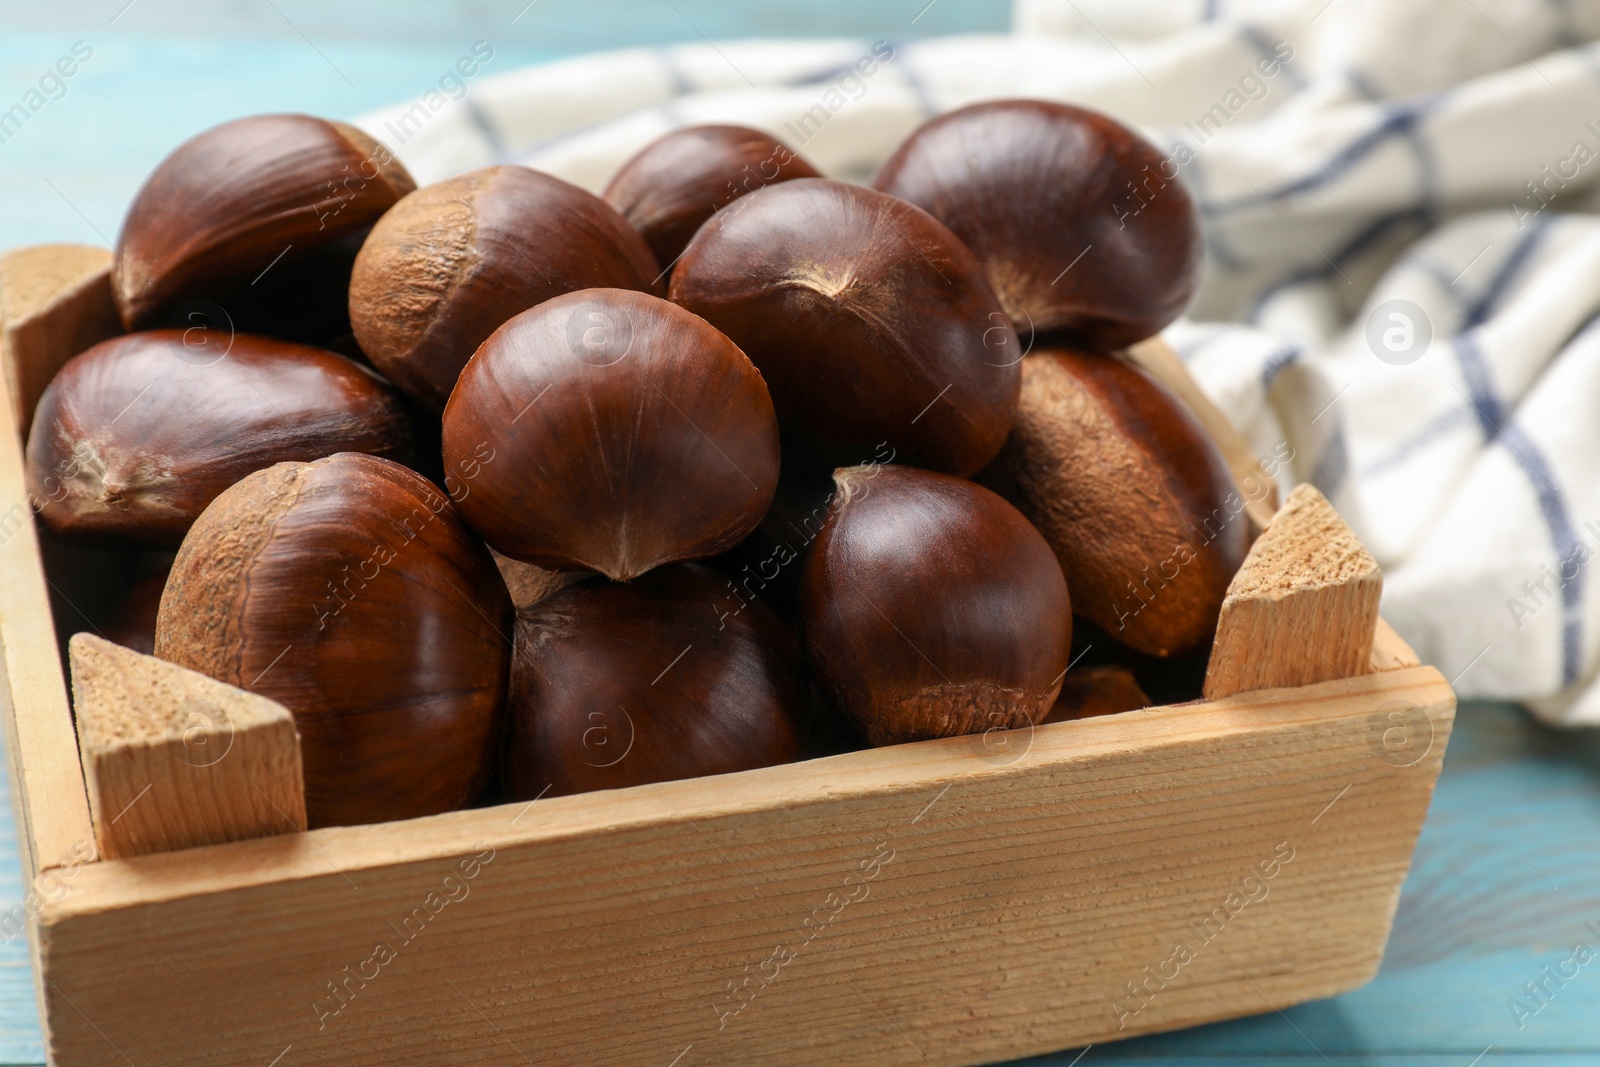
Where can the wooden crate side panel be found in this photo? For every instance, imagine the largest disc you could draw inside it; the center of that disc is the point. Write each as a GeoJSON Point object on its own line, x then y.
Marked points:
{"type": "Point", "coordinates": [848, 911]}
{"type": "Point", "coordinates": [55, 300]}
{"type": "Point", "coordinates": [48, 793]}
{"type": "Point", "coordinates": [1390, 651]}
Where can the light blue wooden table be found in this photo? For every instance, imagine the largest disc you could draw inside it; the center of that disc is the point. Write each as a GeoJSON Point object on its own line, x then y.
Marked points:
{"type": "Point", "coordinates": [1507, 872]}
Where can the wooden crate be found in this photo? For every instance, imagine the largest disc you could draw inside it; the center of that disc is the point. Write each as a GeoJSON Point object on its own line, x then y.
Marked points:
{"type": "Point", "coordinates": [952, 902]}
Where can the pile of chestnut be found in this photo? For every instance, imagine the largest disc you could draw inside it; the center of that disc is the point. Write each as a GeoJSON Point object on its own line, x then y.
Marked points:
{"type": "Point", "coordinates": [507, 490]}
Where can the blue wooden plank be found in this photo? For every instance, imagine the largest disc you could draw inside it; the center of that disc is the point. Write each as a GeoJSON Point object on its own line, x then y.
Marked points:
{"type": "Point", "coordinates": [20, 1039]}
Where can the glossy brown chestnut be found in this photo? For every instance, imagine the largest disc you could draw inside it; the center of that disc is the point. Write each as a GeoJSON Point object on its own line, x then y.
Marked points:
{"type": "Point", "coordinates": [347, 590]}
{"type": "Point", "coordinates": [872, 324]}
{"type": "Point", "coordinates": [1082, 225]}
{"type": "Point", "coordinates": [611, 431]}
{"type": "Point", "coordinates": [1090, 691]}
{"type": "Point", "coordinates": [453, 261]}
{"type": "Point", "coordinates": [615, 685]}
{"type": "Point", "coordinates": [1132, 495]}
{"type": "Point", "coordinates": [226, 204]}
{"type": "Point", "coordinates": [678, 181]}
{"type": "Point", "coordinates": [929, 608]}
{"type": "Point", "coordinates": [134, 437]}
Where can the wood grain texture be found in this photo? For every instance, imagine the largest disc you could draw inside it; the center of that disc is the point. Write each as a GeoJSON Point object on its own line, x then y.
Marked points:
{"type": "Point", "coordinates": [1302, 609]}
{"type": "Point", "coordinates": [1258, 490]}
{"type": "Point", "coordinates": [1007, 911]}
{"type": "Point", "coordinates": [47, 783]}
{"type": "Point", "coordinates": [39, 329]}
{"type": "Point", "coordinates": [55, 301]}
{"type": "Point", "coordinates": [1389, 649]}
{"type": "Point", "coordinates": [174, 759]}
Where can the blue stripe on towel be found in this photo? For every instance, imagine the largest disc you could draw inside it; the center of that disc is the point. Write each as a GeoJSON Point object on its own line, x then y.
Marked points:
{"type": "Point", "coordinates": [681, 85]}
{"type": "Point", "coordinates": [1566, 35]}
{"type": "Point", "coordinates": [1194, 178]}
{"type": "Point", "coordinates": [833, 72]}
{"type": "Point", "coordinates": [1397, 121]}
{"type": "Point", "coordinates": [1276, 363]}
{"type": "Point", "coordinates": [1510, 270]}
{"type": "Point", "coordinates": [1441, 424]}
{"type": "Point", "coordinates": [1334, 464]}
{"type": "Point", "coordinates": [1364, 239]}
{"type": "Point", "coordinates": [1532, 461]}
{"type": "Point", "coordinates": [1485, 407]}
{"type": "Point", "coordinates": [1267, 49]}
{"type": "Point", "coordinates": [1441, 277]}
{"type": "Point", "coordinates": [1582, 331]}
{"type": "Point", "coordinates": [485, 125]}
{"type": "Point", "coordinates": [1480, 383]}
{"type": "Point", "coordinates": [1427, 165]}
{"type": "Point", "coordinates": [1364, 85]}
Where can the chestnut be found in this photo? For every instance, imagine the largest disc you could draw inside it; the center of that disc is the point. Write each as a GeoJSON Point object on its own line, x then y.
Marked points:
{"type": "Point", "coordinates": [1083, 226]}
{"type": "Point", "coordinates": [929, 607]}
{"type": "Point", "coordinates": [134, 437]}
{"type": "Point", "coordinates": [1130, 492]}
{"type": "Point", "coordinates": [451, 262]}
{"type": "Point", "coordinates": [611, 431]}
{"type": "Point", "coordinates": [872, 324]}
{"type": "Point", "coordinates": [678, 181]}
{"type": "Point", "coordinates": [615, 685]}
{"type": "Point", "coordinates": [528, 585]}
{"type": "Point", "coordinates": [227, 203]}
{"type": "Point", "coordinates": [347, 590]}
{"type": "Point", "coordinates": [1103, 690]}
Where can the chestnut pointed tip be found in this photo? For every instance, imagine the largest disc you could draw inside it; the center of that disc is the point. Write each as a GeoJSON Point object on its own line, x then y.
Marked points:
{"type": "Point", "coordinates": [453, 261]}
{"type": "Point", "coordinates": [225, 204]}
{"type": "Point", "coordinates": [869, 319]}
{"type": "Point", "coordinates": [991, 170]}
{"type": "Point", "coordinates": [850, 482]}
{"type": "Point", "coordinates": [623, 572]}
{"type": "Point", "coordinates": [679, 457]}
{"type": "Point", "coordinates": [125, 445]}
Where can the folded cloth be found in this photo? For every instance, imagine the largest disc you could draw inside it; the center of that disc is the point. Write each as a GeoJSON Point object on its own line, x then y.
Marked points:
{"type": "Point", "coordinates": [1401, 283]}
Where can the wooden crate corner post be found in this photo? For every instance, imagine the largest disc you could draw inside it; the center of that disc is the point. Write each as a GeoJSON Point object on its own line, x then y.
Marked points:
{"type": "Point", "coordinates": [1302, 609]}
{"type": "Point", "coordinates": [55, 301]}
{"type": "Point", "coordinates": [174, 759]}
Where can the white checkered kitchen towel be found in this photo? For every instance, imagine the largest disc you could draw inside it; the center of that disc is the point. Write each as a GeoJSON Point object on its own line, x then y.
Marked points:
{"type": "Point", "coordinates": [1402, 282]}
